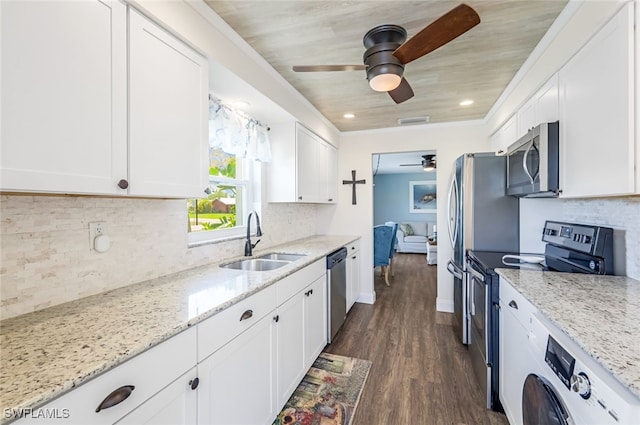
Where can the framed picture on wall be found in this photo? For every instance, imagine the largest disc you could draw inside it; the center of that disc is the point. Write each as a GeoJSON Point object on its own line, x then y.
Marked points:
{"type": "Point", "coordinates": [422, 197]}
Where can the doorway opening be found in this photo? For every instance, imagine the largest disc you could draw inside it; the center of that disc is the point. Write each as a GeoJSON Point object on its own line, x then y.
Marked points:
{"type": "Point", "coordinates": [405, 192]}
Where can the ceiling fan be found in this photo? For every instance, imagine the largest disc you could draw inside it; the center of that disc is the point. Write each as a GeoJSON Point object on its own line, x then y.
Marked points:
{"type": "Point", "coordinates": [387, 52]}
{"type": "Point", "coordinates": [428, 163]}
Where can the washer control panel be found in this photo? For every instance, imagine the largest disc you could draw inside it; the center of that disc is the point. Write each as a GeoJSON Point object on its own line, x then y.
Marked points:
{"type": "Point", "coordinates": [591, 394]}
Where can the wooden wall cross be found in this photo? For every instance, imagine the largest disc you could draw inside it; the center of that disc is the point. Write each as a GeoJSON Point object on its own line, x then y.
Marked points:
{"type": "Point", "coordinates": [353, 182]}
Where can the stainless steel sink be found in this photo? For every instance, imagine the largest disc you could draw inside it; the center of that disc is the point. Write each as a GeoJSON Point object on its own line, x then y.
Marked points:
{"type": "Point", "coordinates": [282, 256]}
{"type": "Point", "coordinates": [256, 264]}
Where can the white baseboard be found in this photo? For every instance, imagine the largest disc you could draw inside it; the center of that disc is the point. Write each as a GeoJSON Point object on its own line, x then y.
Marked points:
{"type": "Point", "coordinates": [445, 306]}
{"type": "Point", "coordinates": [367, 298]}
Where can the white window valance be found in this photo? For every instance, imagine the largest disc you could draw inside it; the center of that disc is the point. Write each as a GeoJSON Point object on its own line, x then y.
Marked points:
{"type": "Point", "coordinates": [237, 133]}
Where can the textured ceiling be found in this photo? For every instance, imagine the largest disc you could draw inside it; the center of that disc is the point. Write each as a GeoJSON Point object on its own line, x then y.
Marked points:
{"type": "Point", "coordinates": [477, 65]}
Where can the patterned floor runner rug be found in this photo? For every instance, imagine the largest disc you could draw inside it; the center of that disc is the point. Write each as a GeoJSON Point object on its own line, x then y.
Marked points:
{"type": "Point", "coordinates": [328, 394]}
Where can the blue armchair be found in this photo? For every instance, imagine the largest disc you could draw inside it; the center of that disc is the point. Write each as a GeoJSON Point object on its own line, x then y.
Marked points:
{"type": "Point", "coordinates": [383, 237]}
{"type": "Point", "coordinates": [394, 227]}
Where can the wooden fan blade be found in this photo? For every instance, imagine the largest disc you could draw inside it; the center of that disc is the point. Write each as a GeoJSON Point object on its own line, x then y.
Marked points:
{"type": "Point", "coordinates": [441, 31]}
{"type": "Point", "coordinates": [325, 68]}
{"type": "Point", "coordinates": [402, 92]}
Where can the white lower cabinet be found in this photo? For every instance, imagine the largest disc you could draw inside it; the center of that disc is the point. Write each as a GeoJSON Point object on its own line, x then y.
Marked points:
{"type": "Point", "coordinates": [149, 379]}
{"type": "Point", "coordinates": [291, 361]}
{"type": "Point", "coordinates": [315, 320]}
{"type": "Point", "coordinates": [514, 350]}
{"type": "Point", "coordinates": [238, 382]}
{"type": "Point", "coordinates": [238, 367]}
{"type": "Point", "coordinates": [250, 367]}
{"type": "Point", "coordinates": [175, 404]}
{"type": "Point", "coordinates": [302, 327]}
{"type": "Point", "coordinates": [353, 273]}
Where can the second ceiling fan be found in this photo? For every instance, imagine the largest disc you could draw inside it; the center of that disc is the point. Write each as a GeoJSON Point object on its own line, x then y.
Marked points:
{"type": "Point", "coordinates": [387, 51]}
{"type": "Point", "coordinates": [428, 163]}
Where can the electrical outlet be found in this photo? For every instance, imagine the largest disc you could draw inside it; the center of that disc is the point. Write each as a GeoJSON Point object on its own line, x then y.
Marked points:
{"type": "Point", "coordinates": [96, 229]}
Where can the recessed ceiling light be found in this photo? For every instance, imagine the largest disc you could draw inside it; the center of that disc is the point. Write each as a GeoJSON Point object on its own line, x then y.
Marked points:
{"type": "Point", "coordinates": [240, 104]}
{"type": "Point", "coordinates": [466, 102]}
{"type": "Point", "coordinates": [349, 115]}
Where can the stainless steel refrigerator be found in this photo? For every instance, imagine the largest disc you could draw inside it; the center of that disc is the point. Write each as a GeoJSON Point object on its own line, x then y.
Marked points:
{"type": "Point", "coordinates": [480, 217]}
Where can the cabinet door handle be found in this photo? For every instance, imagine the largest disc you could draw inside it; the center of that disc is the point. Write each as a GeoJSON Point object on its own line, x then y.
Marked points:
{"type": "Point", "coordinates": [194, 383]}
{"type": "Point", "coordinates": [246, 315]}
{"type": "Point", "coordinates": [330, 199]}
{"type": "Point", "coordinates": [208, 191]}
{"type": "Point", "coordinates": [354, 257]}
{"type": "Point", "coordinates": [116, 397]}
{"type": "Point", "coordinates": [513, 304]}
{"type": "Point", "coordinates": [311, 291]}
{"type": "Point", "coordinates": [500, 151]}
{"type": "Point", "coordinates": [307, 293]}
{"type": "Point", "coordinates": [123, 184]}
{"type": "Point", "coordinates": [276, 318]}
{"type": "Point", "coordinates": [300, 198]}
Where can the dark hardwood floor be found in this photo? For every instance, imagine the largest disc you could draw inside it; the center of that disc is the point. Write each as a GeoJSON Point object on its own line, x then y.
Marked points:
{"type": "Point", "coordinates": [420, 373]}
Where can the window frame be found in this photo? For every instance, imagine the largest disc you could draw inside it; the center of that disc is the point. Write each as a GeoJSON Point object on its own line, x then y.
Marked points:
{"type": "Point", "coordinates": [250, 171]}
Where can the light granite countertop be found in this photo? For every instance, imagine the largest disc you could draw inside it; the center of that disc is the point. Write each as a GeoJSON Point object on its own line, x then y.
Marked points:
{"type": "Point", "coordinates": [600, 313]}
{"type": "Point", "coordinates": [48, 352]}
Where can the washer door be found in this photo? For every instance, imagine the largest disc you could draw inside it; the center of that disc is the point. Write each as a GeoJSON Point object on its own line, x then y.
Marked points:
{"type": "Point", "coordinates": [541, 405]}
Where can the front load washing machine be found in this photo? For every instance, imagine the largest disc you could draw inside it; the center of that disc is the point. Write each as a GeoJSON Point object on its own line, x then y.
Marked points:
{"type": "Point", "coordinates": [568, 387]}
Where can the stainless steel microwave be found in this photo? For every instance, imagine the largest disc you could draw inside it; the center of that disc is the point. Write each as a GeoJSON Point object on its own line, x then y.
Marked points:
{"type": "Point", "coordinates": [533, 163]}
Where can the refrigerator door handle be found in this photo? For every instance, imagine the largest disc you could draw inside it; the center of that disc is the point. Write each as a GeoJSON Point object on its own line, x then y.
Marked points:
{"type": "Point", "coordinates": [452, 223]}
{"type": "Point", "coordinates": [454, 270]}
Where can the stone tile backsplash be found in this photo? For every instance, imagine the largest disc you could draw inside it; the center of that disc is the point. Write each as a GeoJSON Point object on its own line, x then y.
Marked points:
{"type": "Point", "coordinates": [622, 214]}
{"type": "Point", "coordinates": [45, 258]}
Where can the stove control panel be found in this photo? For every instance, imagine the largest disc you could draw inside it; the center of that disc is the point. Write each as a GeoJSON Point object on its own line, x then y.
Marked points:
{"type": "Point", "coordinates": [592, 240]}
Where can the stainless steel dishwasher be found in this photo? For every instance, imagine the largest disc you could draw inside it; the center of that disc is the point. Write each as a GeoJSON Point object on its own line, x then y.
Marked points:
{"type": "Point", "coordinates": [336, 291]}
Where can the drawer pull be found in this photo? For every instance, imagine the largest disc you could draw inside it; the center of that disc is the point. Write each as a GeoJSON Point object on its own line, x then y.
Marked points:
{"type": "Point", "coordinates": [513, 304]}
{"type": "Point", "coordinates": [116, 397]}
{"type": "Point", "coordinates": [246, 315]}
{"type": "Point", "coordinates": [194, 383]}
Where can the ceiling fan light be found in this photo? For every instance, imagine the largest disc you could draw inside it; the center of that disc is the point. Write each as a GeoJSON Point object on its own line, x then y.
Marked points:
{"type": "Point", "coordinates": [385, 82]}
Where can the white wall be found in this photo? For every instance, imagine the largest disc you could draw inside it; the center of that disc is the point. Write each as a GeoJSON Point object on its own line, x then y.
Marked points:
{"type": "Point", "coordinates": [356, 148]}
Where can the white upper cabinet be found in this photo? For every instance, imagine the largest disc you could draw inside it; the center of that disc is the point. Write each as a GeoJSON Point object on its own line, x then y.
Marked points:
{"type": "Point", "coordinates": [304, 167]}
{"type": "Point", "coordinates": [540, 108]}
{"type": "Point", "coordinates": [307, 166]}
{"type": "Point", "coordinates": [76, 120]}
{"type": "Point", "coordinates": [505, 135]}
{"type": "Point", "coordinates": [547, 101]}
{"type": "Point", "coordinates": [168, 127]}
{"type": "Point", "coordinates": [597, 113]}
{"type": "Point", "coordinates": [64, 96]}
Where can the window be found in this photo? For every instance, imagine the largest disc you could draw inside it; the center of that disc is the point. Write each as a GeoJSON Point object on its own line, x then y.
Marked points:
{"type": "Point", "coordinates": [222, 213]}
{"type": "Point", "coordinates": [237, 146]}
